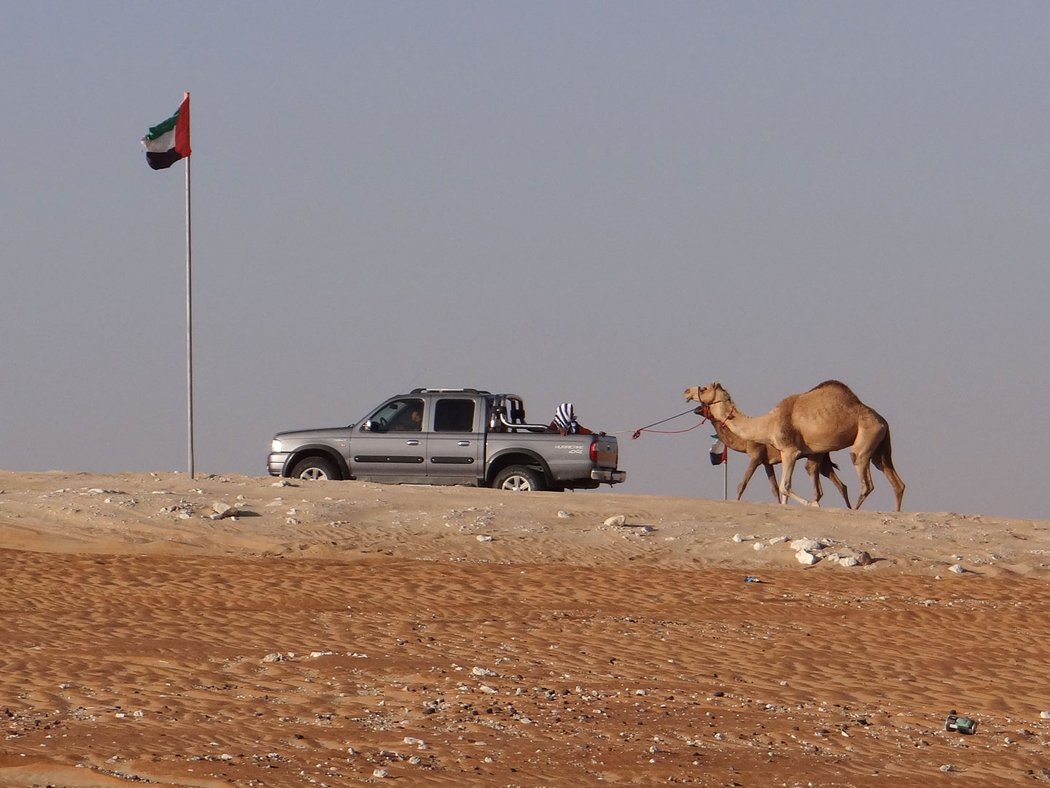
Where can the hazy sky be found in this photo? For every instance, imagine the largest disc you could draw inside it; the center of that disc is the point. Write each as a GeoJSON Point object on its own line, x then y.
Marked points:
{"type": "Point", "coordinates": [602, 202]}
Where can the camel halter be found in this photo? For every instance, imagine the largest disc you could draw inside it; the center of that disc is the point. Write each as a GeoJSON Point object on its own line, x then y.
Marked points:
{"type": "Point", "coordinates": [709, 415]}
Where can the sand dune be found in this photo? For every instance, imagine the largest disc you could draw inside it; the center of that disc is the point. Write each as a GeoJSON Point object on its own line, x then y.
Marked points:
{"type": "Point", "coordinates": [349, 633]}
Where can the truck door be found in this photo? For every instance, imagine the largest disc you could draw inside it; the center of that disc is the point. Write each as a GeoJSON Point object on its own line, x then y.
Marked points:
{"type": "Point", "coordinates": [390, 445]}
{"type": "Point", "coordinates": [456, 442]}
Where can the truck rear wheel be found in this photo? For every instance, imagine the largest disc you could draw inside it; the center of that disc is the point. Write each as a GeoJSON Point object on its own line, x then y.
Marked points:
{"type": "Point", "coordinates": [314, 469]}
{"type": "Point", "coordinates": [518, 478]}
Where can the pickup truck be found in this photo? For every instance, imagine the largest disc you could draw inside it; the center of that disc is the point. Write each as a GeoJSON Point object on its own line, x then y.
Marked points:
{"type": "Point", "coordinates": [449, 436]}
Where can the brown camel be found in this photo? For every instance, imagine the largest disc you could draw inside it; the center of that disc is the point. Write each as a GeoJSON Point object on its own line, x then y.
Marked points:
{"type": "Point", "coordinates": [826, 418]}
{"type": "Point", "coordinates": [767, 456]}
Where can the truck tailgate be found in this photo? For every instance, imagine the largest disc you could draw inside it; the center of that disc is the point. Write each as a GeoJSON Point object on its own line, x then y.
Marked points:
{"type": "Point", "coordinates": [606, 451]}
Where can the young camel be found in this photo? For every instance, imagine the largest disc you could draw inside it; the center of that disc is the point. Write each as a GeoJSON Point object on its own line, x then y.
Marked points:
{"type": "Point", "coordinates": [767, 456]}
{"type": "Point", "coordinates": [826, 418]}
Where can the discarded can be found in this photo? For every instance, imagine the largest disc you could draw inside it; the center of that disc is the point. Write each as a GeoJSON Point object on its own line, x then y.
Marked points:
{"type": "Point", "coordinates": [751, 579]}
{"type": "Point", "coordinates": [959, 724]}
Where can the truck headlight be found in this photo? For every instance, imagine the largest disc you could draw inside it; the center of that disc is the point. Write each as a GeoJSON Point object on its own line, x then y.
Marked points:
{"type": "Point", "coordinates": [275, 446]}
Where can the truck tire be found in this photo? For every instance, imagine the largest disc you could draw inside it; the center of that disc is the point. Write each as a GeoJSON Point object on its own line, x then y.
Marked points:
{"type": "Point", "coordinates": [518, 478]}
{"type": "Point", "coordinates": [315, 468]}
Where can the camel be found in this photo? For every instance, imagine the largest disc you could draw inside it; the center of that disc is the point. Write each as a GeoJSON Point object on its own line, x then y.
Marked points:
{"type": "Point", "coordinates": [767, 456]}
{"type": "Point", "coordinates": [826, 418]}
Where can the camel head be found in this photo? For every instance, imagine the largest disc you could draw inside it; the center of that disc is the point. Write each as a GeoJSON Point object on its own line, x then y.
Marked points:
{"type": "Point", "coordinates": [707, 395]}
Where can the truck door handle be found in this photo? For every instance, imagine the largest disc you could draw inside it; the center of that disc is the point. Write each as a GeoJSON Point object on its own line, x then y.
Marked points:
{"type": "Point", "coordinates": [463, 443]}
{"type": "Point", "coordinates": [412, 442]}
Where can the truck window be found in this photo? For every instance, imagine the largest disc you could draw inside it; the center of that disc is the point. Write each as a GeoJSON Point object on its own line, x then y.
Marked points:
{"type": "Point", "coordinates": [402, 415]}
{"type": "Point", "coordinates": [454, 415]}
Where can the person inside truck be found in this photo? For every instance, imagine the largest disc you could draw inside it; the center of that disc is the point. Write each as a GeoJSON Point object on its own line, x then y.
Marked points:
{"type": "Point", "coordinates": [409, 419]}
{"type": "Point", "coordinates": [564, 422]}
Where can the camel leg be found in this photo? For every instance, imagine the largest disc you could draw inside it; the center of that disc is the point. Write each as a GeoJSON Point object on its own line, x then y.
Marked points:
{"type": "Point", "coordinates": [813, 471]}
{"type": "Point", "coordinates": [884, 462]}
{"type": "Point", "coordinates": [788, 459]}
{"type": "Point", "coordinates": [776, 488]}
{"type": "Point", "coordinates": [862, 462]}
{"type": "Point", "coordinates": [752, 466]}
{"type": "Point", "coordinates": [827, 468]}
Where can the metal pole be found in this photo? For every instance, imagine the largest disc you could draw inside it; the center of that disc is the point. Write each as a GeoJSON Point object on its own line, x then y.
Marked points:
{"type": "Point", "coordinates": [189, 324]}
{"type": "Point", "coordinates": [725, 476]}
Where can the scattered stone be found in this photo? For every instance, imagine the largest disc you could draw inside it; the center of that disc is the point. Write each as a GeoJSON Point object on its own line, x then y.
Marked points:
{"type": "Point", "coordinates": [759, 546]}
{"type": "Point", "coordinates": [482, 671]}
{"type": "Point", "coordinates": [849, 561]}
{"type": "Point", "coordinates": [957, 568]}
{"type": "Point", "coordinates": [778, 540]}
{"type": "Point", "coordinates": [807, 545]}
{"type": "Point", "coordinates": [806, 559]}
{"type": "Point", "coordinates": [738, 538]}
{"type": "Point", "coordinates": [616, 520]}
{"type": "Point", "coordinates": [222, 510]}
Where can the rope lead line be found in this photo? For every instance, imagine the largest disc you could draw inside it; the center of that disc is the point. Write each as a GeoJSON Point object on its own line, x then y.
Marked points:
{"type": "Point", "coordinates": [638, 432]}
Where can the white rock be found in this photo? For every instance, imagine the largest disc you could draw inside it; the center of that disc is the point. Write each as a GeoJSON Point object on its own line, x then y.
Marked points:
{"type": "Point", "coordinates": [806, 544]}
{"type": "Point", "coordinates": [616, 520]}
{"type": "Point", "coordinates": [957, 568]}
{"type": "Point", "coordinates": [849, 561]}
{"type": "Point", "coordinates": [759, 546]}
{"type": "Point", "coordinates": [482, 671]}
{"type": "Point", "coordinates": [808, 559]}
{"type": "Point", "coordinates": [1044, 715]}
{"type": "Point", "coordinates": [380, 773]}
{"type": "Point", "coordinates": [778, 540]}
{"type": "Point", "coordinates": [484, 538]}
{"type": "Point", "coordinates": [738, 538]}
{"type": "Point", "coordinates": [564, 515]}
{"type": "Point", "coordinates": [222, 510]}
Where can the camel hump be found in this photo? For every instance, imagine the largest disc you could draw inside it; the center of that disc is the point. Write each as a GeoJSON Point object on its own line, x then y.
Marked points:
{"type": "Point", "coordinates": [836, 384]}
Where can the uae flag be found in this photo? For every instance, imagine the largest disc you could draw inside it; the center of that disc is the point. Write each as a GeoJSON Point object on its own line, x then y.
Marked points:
{"type": "Point", "coordinates": [169, 141]}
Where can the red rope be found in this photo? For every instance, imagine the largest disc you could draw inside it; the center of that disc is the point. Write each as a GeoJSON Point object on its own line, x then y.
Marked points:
{"type": "Point", "coordinates": [638, 433]}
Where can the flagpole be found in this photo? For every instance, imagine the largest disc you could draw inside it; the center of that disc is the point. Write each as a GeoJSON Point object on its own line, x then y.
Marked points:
{"type": "Point", "coordinates": [189, 324]}
{"type": "Point", "coordinates": [725, 476]}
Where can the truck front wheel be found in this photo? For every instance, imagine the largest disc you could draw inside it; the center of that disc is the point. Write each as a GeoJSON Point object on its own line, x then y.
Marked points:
{"type": "Point", "coordinates": [315, 468]}
{"type": "Point", "coordinates": [518, 478]}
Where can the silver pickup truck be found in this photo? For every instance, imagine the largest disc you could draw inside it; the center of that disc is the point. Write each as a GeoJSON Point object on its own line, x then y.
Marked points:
{"type": "Point", "coordinates": [449, 436]}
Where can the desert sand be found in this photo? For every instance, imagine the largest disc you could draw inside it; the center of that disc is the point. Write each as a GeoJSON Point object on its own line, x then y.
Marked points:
{"type": "Point", "coordinates": [231, 630]}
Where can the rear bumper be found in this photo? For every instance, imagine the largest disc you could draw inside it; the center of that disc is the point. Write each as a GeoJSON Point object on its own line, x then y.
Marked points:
{"type": "Point", "coordinates": [608, 477]}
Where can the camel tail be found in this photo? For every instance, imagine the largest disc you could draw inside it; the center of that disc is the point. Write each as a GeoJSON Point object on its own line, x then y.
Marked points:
{"type": "Point", "coordinates": [883, 459]}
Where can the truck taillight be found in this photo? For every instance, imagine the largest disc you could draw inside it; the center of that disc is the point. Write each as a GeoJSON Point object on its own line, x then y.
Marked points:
{"type": "Point", "coordinates": [594, 450]}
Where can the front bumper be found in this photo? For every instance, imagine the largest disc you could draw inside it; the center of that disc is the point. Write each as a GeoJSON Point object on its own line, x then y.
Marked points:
{"type": "Point", "coordinates": [276, 461]}
{"type": "Point", "coordinates": [608, 477]}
